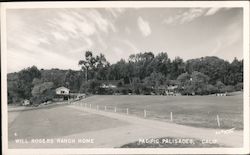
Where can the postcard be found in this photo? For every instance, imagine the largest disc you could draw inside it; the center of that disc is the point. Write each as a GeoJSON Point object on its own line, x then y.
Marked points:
{"type": "Point", "coordinates": [124, 77]}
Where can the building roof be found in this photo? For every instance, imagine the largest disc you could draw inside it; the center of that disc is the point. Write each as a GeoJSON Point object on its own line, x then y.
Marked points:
{"type": "Point", "coordinates": [62, 88]}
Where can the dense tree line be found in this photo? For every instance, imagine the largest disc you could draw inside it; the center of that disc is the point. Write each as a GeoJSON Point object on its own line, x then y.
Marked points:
{"type": "Point", "coordinates": [145, 72]}
{"type": "Point", "coordinates": [141, 73]}
{"type": "Point", "coordinates": [39, 85]}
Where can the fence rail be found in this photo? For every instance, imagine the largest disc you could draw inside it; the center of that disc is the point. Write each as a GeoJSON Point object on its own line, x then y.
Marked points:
{"type": "Point", "coordinates": [169, 116]}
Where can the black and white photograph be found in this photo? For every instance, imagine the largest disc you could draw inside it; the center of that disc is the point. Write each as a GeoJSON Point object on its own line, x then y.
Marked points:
{"type": "Point", "coordinates": [125, 77]}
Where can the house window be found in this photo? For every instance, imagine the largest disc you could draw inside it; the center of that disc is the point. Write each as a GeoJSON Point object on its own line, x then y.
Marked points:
{"type": "Point", "coordinates": [62, 92]}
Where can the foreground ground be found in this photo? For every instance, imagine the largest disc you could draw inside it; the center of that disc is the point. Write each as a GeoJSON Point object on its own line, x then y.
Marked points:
{"type": "Point", "coordinates": [107, 128]}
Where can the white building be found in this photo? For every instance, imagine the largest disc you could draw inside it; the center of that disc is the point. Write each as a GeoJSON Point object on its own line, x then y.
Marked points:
{"type": "Point", "coordinates": [108, 86]}
{"type": "Point", "coordinates": [62, 91]}
{"type": "Point", "coordinates": [25, 102]}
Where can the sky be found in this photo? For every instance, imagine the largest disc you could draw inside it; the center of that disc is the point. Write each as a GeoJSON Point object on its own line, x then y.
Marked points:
{"type": "Point", "coordinates": [58, 38]}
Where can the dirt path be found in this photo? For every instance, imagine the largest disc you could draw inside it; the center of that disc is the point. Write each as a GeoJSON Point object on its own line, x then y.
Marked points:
{"type": "Point", "coordinates": [145, 128]}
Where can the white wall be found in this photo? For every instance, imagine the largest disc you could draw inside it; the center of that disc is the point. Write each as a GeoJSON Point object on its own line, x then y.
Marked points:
{"type": "Point", "coordinates": [59, 91]}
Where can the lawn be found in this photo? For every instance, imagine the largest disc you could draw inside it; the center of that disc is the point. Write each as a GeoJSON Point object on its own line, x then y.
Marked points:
{"type": "Point", "coordinates": [198, 111]}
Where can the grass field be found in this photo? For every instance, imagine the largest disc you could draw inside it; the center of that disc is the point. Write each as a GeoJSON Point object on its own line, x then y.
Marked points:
{"type": "Point", "coordinates": [198, 111]}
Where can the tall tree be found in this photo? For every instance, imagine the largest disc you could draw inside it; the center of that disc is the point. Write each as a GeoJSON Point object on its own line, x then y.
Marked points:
{"type": "Point", "coordinates": [88, 64]}
{"type": "Point", "coordinates": [25, 78]}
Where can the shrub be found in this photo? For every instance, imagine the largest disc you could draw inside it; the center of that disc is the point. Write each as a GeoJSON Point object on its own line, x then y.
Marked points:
{"type": "Point", "coordinates": [228, 88]}
{"type": "Point", "coordinates": [238, 87]}
{"type": "Point", "coordinates": [211, 89]}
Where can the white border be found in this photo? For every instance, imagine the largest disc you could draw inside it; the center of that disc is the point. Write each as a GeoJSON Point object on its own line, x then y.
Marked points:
{"type": "Point", "coordinates": [124, 4]}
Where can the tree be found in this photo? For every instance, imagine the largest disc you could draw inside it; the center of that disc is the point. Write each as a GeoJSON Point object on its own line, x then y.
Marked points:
{"type": "Point", "coordinates": [90, 87]}
{"type": "Point", "coordinates": [54, 75]}
{"type": "Point", "coordinates": [154, 80]}
{"type": "Point", "coordinates": [25, 78]}
{"type": "Point", "coordinates": [88, 63]}
{"type": "Point", "coordinates": [196, 83]}
{"type": "Point", "coordinates": [102, 68]}
{"type": "Point", "coordinates": [214, 67]}
{"type": "Point", "coordinates": [177, 68]}
{"type": "Point", "coordinates": [234, 73]}
{"type": "Point", "coordinates": [161, 64]}
{"type": "Point", "coordinates": [95, 67]}
{"type": "Point", "coordinates": [117, 70]}
{"type": "Point", "coordinates": [36, 81]}
{"type": "Point", "coordinates": [72, 80]}
{"type": "Point", "coordinates": [228, 89]}
{"type": "Point", "coordinates": [138, 74]}
{"type": "Point", "coordinates": [183, 78]}
{"type": "Point", "coordinates": [239, 86]}
{"type": "Point", "coordinates": [142, 61]}
{"type": "Point", "coordinates": [220, 86]}
{"type": "Point", "coordinates": [42, 92]}
{"type": "Point", "coordinates": [199, 82]}
{"type": "Point", "coordinates": [211, 89]}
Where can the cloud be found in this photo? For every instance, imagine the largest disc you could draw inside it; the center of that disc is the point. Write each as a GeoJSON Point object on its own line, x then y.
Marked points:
{"type": "Point", "coordinates": [212, 11]}
{"type": "Point", "coordinates": [217, 47]}
{"type": "Point", "coordinates": [116, 12]}
{"type": "Point", "coordinates": [185, 17]}
{"type": "Point", "coordinates": [19, 58]}
{"type": "Point", "coordinates": [81, 23]}
{"type": "Point", "coordinates": [191, 15]}
{"type": "Point", "coordinates": [231, 35]}
{"type": "Point", "coordinates": [59, 36]}
{"type": "Point", "coordinates": [100, 22]}
{"type": "Point", "coordinates": [127, 30]}
{"type": "Point", "coordinates": [144, 26]}
{"type": "Point", "coordinates": [130, 45]}
{"type": "Point", "coordinates": [44, 40]}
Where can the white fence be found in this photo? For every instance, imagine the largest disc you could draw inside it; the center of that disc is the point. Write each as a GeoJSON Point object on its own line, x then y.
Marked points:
{"type": "Point", "coordinates": [144, 113]}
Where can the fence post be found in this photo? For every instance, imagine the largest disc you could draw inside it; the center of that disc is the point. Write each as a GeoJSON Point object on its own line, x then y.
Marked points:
{"type": "Point", "coordinates": [90, 106]}
{"type": "Point", "coordinates": [115, 109]}
{"type": "Point", "coordinates": [145, 113]}
{"type": "Point", "coordinates": [218, 120]}
{"type": "Point", "coordinates": [127, 111]}
{"type": "Point", "coordinates": [105, 108]}
{"type": "Point", "coordinates": [171, 116]}
{"type": "Point", "coordinates": [97, 107]}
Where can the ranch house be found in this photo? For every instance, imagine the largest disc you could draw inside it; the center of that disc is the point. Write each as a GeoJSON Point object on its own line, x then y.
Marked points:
{"type": "Point", "coordinates": [62, 93]}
